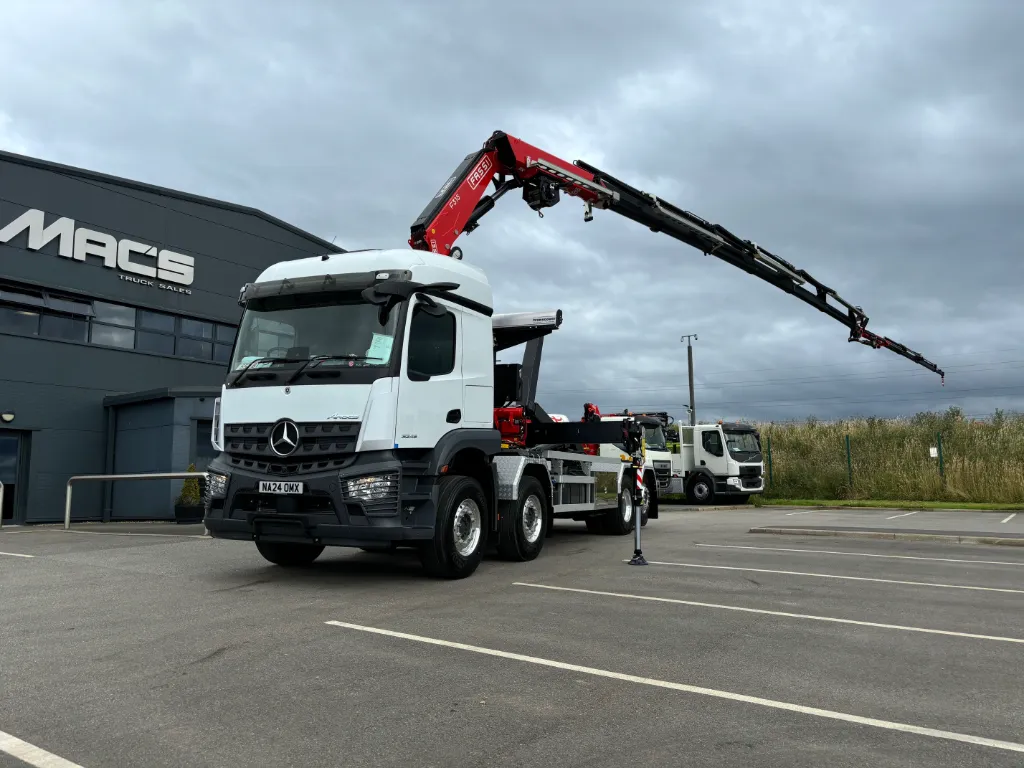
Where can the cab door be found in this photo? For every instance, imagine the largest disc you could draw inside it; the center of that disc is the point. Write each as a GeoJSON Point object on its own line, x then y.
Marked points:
{"type": "Point", "coordinates": [709, 452]}
{"type": "Point", "coordinates": [430, 390]}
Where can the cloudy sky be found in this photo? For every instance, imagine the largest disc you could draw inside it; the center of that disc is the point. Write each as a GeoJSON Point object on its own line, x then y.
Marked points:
{"type": "Point", "coordinates": [878, 145]}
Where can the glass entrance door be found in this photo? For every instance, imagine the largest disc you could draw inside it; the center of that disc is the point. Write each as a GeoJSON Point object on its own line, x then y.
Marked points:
{"type": "Point", "coordinates": [9, 470]}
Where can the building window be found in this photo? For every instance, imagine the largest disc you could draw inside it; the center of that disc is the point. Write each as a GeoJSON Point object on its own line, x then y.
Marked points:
{"type": "Point", "coordinates": [194, 348]}
{"type": "Point", "coordinates": [111, 336]}
{"type": "Point", "coordinates": [196, 328]}
{"type": "Point", "coordinates": [155, 321]}
{"type": "Point", "coordinates": [115, 314]}
{"type": "Point", "coordinates": [159, 343]}
{"type": "Point", "coordinates": [22, 296]}
{"type": "Point", "coordinates": [26, 311]}
{"type": "Point", "coordinates": [64, 327]}
{"type": "Point", "coordinates": [17, 320]}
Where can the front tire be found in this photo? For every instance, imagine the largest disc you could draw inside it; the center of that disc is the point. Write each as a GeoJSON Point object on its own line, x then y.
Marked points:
{"type": "Point", "coordinates": [460, 529]}
{"type": "Point", "coordinates": [701, 490]}
{"type": "Point", "coordinates": [289, 555]}
{"type": "Point", "coordinates": [524, 522]}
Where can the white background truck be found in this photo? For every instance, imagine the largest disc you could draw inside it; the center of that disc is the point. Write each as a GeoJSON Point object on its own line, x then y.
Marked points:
{"type": "Point", "coordinates": [720, 461]}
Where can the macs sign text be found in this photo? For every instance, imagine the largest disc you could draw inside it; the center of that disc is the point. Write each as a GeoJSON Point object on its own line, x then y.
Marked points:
{"type": "Point", "coordinates": [175, 270]}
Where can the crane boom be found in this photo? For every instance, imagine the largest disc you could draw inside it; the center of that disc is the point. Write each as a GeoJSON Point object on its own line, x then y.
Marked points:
{"type": "Point", "coordinates": [510, 163]}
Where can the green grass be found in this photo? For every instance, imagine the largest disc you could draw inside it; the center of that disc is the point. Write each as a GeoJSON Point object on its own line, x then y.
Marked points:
{"type": "Point", "coordinates": [983, 461]}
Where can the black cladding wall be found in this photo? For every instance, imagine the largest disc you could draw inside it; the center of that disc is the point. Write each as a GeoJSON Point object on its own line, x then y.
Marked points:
{"type": "Point", "coordinates": [57, 363]}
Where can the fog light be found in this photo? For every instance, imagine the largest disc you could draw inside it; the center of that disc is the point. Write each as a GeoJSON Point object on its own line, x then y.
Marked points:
{"type": "Point", "coordinates": [216, 485]}
{"type": "Point", "coordinates": [732, 481]}
{"type": "Point", "coordinates": [371, 487]}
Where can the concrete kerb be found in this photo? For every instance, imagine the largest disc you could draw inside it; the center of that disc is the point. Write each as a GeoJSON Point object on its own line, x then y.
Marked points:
{"type": "Point", "coordinates": [895, 535]}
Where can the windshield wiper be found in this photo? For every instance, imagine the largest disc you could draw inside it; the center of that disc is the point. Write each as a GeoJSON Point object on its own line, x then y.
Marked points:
{"type": "Point", "coordinates": [320, 358]}
{"type": "Point", "coordinates": [238, 376]}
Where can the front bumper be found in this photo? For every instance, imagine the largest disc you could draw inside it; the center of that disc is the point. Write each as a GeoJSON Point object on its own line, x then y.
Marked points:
{"type": "Point", "coordinates": [327, 511]}
{"type": "Point", "coordinates": [744, 484]}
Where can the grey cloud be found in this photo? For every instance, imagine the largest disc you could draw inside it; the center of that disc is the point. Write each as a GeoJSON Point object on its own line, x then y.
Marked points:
{"type": "Point", "coordinates": [877, 145]}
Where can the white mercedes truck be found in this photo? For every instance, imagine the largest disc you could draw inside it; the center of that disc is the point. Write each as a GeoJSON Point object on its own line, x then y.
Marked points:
{"type": "Point", "coordinates": [363, 407]}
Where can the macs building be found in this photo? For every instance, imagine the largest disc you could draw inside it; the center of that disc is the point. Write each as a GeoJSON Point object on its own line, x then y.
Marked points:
{"type": "Point", "coordinates": [118, 310]}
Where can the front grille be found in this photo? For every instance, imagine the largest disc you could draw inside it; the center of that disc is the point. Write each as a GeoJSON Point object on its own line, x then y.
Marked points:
{"type": "Point", "coordinates": [663, 471]}
{"type": "Point", "coordinates": [750, 470]}
{"type": "Point", "coordinates": [322, 446]}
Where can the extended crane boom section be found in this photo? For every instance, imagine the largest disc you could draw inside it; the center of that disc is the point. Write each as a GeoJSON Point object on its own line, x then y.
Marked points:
{"type": "Point", "coordinates": [511, 163]}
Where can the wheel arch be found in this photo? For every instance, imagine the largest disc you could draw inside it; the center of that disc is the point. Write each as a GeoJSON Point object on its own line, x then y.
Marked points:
{"type": "Point", "coordinates": [472, 461]}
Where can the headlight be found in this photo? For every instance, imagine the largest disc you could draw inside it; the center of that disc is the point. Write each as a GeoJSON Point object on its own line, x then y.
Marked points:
{"type": "Point", "coordinates": [216, 485]}
{"type": "Point", "coordinates": [371, 487]}
{"type": "Point", "coordinates": [732, 481]}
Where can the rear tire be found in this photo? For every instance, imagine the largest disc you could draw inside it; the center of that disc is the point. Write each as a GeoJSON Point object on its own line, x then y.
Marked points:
{"type": "Point", "coordinates": [524, 522]}
{"type": "Point", "coordinates": [289, 555]}
{"type": "Point", "coordinates": [618, 521]}
{"type": "Point", "coordinates": [460, 529]}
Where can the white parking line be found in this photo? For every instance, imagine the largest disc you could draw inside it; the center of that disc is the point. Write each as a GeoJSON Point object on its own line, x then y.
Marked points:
{"type": "Point", "coordinates": [18, 554]}
{"type": "Point", "coordinates": [765, 612]}
{"type": "Point", "coordinates": [807, 512]}
{"type": "Point", "coordinates": [31, 754]}
{"type": "Point", "coordinates": [835, 576]}
{"type": "Point", "coordinates": [863, 554]}
{"type": "Point", "coordinates": [905, 514]}
{"type": "Point", "coordinates": [728, 695]}
{"type": "Point", "coordinates": [1006, 519]}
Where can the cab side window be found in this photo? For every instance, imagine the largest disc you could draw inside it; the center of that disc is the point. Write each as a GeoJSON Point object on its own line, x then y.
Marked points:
{"type": "Point", "coordinates": [712, 443]}
{"type": "Point", "coordinates": [431, 344]}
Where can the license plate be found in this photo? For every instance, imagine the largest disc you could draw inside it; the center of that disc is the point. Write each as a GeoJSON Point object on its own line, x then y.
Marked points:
{"type": "Point", "coordinates": [279, 487]}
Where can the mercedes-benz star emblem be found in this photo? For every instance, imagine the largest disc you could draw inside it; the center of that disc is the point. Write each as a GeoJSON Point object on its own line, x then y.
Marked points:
{"type": "Point", "coordinates": [284, 438]}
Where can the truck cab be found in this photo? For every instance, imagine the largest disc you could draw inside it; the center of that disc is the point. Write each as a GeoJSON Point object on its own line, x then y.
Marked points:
{"type": "Point", "coordinates": [721, 460]}
{"type": "Point", "coordinates": [364, 406]}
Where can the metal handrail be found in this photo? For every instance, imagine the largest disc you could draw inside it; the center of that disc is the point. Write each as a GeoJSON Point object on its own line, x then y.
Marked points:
{"type": "Point", "coordinates": [152, 476]}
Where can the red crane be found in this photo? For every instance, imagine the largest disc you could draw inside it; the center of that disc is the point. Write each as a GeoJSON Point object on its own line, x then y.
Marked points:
{"type": "Point", "coordinates": [510, 163]}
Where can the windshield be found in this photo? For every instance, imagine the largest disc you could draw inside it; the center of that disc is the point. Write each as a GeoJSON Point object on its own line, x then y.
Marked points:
{"type": "Point", "coordinates": [655, 438]}
{"type": "Point", "coordinates": [346, 331]}
{"type": "Point", "coordinates": [742, 445]}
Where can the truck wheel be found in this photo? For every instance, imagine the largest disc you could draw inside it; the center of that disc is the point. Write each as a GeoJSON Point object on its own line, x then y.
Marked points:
{"type": "Point", "coordinates": [523, 522]}
{"type": "Point", "coordinates": [618, 521]}
{"type": "Point", "coordinates": [289, 555]}
{"type": "Point", "coordinates": [650, 509]}
{"type": "Point", "coordinates": [701, 490]}
{"type": "Point", "coordinates": [460, 529]}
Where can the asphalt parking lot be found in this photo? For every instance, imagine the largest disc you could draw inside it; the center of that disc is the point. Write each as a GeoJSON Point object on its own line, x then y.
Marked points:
{"type": "Point", "coordinates": [729, 649]}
